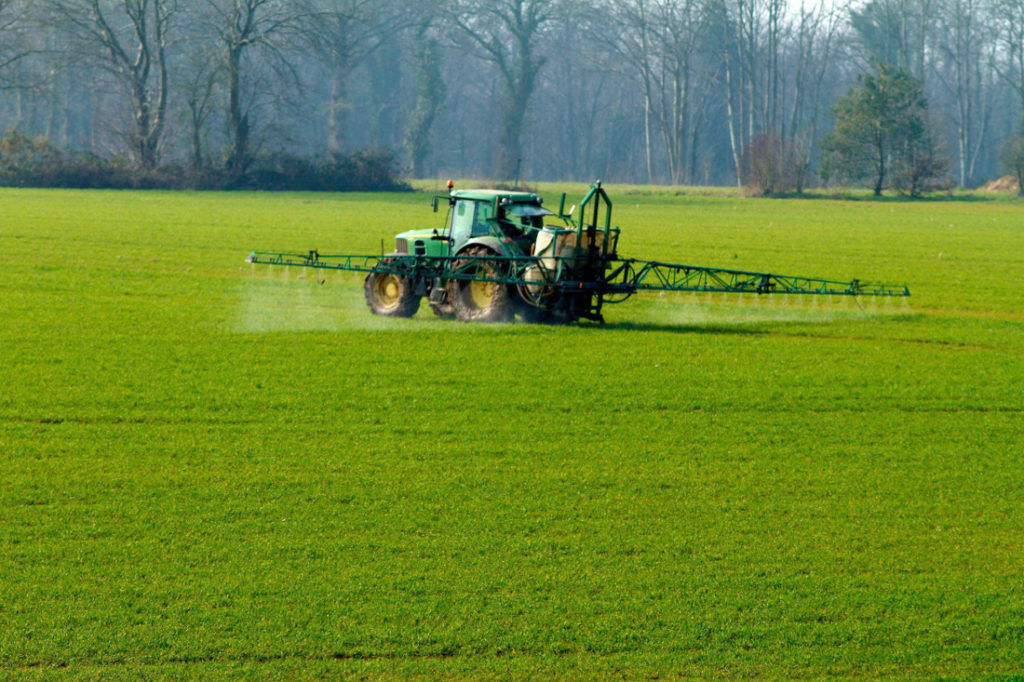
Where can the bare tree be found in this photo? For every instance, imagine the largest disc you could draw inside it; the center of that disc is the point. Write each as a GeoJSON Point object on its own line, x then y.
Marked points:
{"type": "Point", "coordinates": [653, 90]}
{"type": "Point", "coordinates": [661, 39]}
{"type": "Point", "coordinates": [585, 89]}
{"type": "Point", "coordinates": [198, 87]}
{"type": "Point", "coordinates": [345, 33]}
{"type": "Point", "coordinates": [269, 28]}
{"type": "Point", "coordinates": [429, 95]}
{"type": "Point", "coordinates": [1011, 31]}
{"type": "Point", "coordinates": [815, 32]}
{"type": "Point", "coordinates": [507, 34]}
{"type": "Point", "coordinates": [14, 45]}
{"type": "Point", "coordinates": [895, 32]}
{"type": "Point", "coordinates": [748, 38]}
{"type": "Point", "coordinates": [129, 38]}
{"type": "Point", "coordinates": [962, 63]}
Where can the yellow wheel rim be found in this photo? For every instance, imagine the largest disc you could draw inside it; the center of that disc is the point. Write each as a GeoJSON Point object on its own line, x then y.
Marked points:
{"type": "Point", "coordinates": [481, 293]}
{"type": "Point", "coordinates": [387, 290]}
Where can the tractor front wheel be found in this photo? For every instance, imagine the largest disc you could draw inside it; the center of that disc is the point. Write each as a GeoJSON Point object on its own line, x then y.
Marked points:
{"type": "Point", "coordinates": [477, 300]}
{"type": "Point", "coordinates": [389, 294]}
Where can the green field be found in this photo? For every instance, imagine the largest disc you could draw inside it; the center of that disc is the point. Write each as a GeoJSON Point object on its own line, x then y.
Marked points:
{"type": "Point", "coordinates": [214, 470]}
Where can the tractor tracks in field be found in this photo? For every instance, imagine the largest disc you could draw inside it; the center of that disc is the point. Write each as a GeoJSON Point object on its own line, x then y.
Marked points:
{"type": "Point", "coordinates": [259, 659]}
{"type": "Point", "coordinates": [780, 332]}
{"type": "Point", "coordinates": [733, 409]}
{"type": "Point", "coordinates": [127, 421]}
{"type": "Point", "coordinates": [941, 343]}
{"type": "Point", "coordinates": [815, 408]}
{"type": "Point", "coordinates": [321, 658]}
{"type": "Point", "coordinates": [444, 653]}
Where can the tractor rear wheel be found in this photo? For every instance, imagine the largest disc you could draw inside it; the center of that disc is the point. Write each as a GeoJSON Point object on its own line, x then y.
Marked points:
{"type": "Point", "coordinates": [476, 300]}
{"type": "Point", "coordinates": [389, 294]}
{"type": "Point", "coordinates": [534, 315]}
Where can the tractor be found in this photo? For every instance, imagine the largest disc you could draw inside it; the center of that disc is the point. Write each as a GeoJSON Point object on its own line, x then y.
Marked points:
{"type": "Point", "coordinates": [496, 256]}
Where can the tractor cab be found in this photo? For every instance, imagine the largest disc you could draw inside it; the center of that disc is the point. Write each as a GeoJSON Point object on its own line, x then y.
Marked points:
{"type": "Point", "coordinates": [505, 222]}
{"type": "Point", "coordinates": [488, 215]}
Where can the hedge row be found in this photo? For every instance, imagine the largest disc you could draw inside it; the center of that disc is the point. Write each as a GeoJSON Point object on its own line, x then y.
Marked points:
{"type": "Point", "coordinates": [37, 162]}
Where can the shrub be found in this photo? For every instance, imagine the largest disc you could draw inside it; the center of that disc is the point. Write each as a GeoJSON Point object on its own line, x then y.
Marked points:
{"type": "Point", "coordinates": [775, 166]}
{"type": "Point", "coordinates": [27, 161]}
{"type": "Point", "coordinates": [38, 162]}
{"type": "Point", "coordinates": [1011, 154]}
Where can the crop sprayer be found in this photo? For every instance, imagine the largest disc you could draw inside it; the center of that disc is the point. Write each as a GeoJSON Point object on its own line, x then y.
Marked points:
{"type": "Point", "coordinates": [495, 258]}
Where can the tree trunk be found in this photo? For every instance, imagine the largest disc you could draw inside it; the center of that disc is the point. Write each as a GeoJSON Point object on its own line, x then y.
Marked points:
{"type": "Point", "coordinates": [880, 180]}
{"type": "Point", "coordinates": [238, 120]}
{"type": "Point", "coordinates": [429, 97]}
{"type": "Point", "coordinates": [506, 35]}
{"type": "Point", "coordinates": [336, 114]}
{"type": "Point", "coordinates": [508, 156]}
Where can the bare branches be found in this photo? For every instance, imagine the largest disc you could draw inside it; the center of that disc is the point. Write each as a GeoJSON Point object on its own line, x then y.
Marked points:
{"type": "Point", "coordinates": [15, 44]}
{"type": "Point", "coordinates": [273, 28]}
{"type": "Point", "coordinates": [344, 34]}
{"type": "Point", "coordinates": [658, 90]}
{"type": "Point", "coordinates": [133, 48]}
{"type": "Point", "coordinates": [661, 41]}
{"type": "Point", "coordinates": [508, 34]}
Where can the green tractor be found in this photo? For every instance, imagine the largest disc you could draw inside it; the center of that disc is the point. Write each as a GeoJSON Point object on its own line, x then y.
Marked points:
{"type": "Point", "coordinates": [487, 234]}
{"type": "Point", "coordinates": [496, 257]}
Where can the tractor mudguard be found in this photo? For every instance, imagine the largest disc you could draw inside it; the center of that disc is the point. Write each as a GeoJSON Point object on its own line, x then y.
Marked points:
{"type": "Point", "coordinates": [493, 243]}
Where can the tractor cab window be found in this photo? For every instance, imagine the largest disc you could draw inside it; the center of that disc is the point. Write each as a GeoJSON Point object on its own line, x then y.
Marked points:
{"type": "Point", "coordinates": [483, 212]}
{"type": "Point", "coordinates": [527, 217]}
{"type": "Point", "coordinates": [469, 219]}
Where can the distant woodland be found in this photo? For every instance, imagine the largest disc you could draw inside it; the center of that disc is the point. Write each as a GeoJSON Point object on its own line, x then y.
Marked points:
{"type": "Point", "coordinates": [700, 92]}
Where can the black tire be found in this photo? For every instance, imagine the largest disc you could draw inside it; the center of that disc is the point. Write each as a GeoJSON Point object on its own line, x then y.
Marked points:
{"type": "Point", "coordinates": [389, 294]}
{"type": "Point", "coordinates": [443, 310]}
{"type": "Point", "coordinates": [531, 314]}
{"type": "Point", "coordinates": [477, 301]}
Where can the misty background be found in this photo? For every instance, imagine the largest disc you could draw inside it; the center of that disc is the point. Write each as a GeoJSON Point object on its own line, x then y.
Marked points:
{"type": "Point", "coordinates": [639, 91]}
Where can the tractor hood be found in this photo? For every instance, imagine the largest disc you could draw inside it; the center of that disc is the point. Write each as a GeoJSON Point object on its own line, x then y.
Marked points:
{"type": "Point", "coordinates": [416, 234]}
{"type": "Point", "coordinates": [420, 243]}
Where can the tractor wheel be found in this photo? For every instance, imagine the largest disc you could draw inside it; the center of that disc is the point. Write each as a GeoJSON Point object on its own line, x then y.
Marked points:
{"type": "Point", "coordinates": [390, 295]}
{"type": "Point", "coordinates": [443, 308]}
{"type": "Point", "coordinates": [477, 301]}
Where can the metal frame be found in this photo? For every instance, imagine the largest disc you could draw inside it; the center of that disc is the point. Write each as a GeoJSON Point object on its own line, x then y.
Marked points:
{"type": "Point", "coordinates": [626, 277]}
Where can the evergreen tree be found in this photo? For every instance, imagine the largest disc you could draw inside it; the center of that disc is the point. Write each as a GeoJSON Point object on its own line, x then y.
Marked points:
{"type": "Point", "coordinates": [883, 136]}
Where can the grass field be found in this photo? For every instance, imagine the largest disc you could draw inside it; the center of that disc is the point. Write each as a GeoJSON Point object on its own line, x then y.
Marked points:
{"type": "Point", "coordinates": [214, 470]}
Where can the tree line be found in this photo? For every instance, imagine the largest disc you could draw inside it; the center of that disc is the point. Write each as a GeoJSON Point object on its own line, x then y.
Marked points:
{"type": "Point", "coordinates": [704, 92]}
